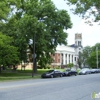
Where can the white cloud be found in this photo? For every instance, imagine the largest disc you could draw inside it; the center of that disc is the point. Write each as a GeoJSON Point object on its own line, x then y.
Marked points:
{"type": "Point", "coordinates": [90, 34]}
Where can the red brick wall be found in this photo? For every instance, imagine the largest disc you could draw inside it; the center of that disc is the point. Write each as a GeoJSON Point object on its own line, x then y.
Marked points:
{"type": "Point", "coordinates": [56, 58]}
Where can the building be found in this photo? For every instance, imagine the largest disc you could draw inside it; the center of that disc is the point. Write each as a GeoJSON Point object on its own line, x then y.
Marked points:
{"type": "Point", "coordinates": [68, 54]}
{"type": "Point", "coordinates": [64, 54]}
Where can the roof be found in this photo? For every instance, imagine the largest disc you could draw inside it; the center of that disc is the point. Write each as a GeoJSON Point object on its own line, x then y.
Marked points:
{"type": "Point", "coordinates": [73, 45]}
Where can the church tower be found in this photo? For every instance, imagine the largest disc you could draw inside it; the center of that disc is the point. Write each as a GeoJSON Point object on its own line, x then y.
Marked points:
{"type": "Point", "coordinates": [78, 43]}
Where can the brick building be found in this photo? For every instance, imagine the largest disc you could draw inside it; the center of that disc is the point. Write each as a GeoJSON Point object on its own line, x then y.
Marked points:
{"type": "Point", "coordinates": [68, 54]}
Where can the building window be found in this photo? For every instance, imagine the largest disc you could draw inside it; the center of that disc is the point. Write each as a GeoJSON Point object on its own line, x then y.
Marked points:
{"type": "Point", "coordinates": [62, 55]}
{"type": "Point", "coordinates": [79, 48]}
{"type": "Point", "coordinates": [58, 60]}
{"type": "Point", "coordinates": [75, 58]}
{"type": "Point", "coordinates": [79, 43]}
{"type": "Point", "coordinates": [53, 54]}
{"type": "Point", "coordinates": [76, 42]}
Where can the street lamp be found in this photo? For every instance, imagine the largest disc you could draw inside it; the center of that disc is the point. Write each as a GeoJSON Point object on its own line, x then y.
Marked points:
{"type": "Point", "coordinates": [34, 56]}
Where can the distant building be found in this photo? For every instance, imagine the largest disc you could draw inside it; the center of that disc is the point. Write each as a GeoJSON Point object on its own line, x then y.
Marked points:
{"type": "Point", "coordinates": [68, 54]}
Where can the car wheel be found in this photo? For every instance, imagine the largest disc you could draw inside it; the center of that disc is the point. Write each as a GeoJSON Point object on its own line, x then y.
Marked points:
{"type": "Point", "coordinates": [61, 75]}
{"type": "Point", "coordinates": [75, 74]}
{"type": "Point", "coordinates": [69, 74]}
{"type": "Point", "coordinates": [52, 76]}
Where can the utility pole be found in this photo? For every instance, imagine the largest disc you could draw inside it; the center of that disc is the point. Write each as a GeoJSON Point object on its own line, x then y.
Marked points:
{"type": "Point", "coordinates": [34, 56]}
{"type": "Point", "coordinates": [97, 56]}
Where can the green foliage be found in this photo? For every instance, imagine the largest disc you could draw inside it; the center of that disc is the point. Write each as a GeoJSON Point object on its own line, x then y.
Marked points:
{"type": "Point", "coordinates": [78, 71]}
{"type": "Point", "coordinates": [57, 67]}
{"type": "Point", "coordinates": [11, 29]}
{"type": "Point", "coordinates": [70, 65]}
{"type": "Point", "coordinates": [8, 53]}
{"type": "Point", "coordinates": [35, 17]}
{"type": "Point", "coordinates": [4, 9]}
{"type": "Point", "coordinates": [80, 59]}
{"type": "Point", "coordinates": [44, 20]}
{"type": "Point", "coordinates": [92, 60]}
{"type": "Point", "coordinates": [85, 54]}
{"type": "Point", "coordinates": [96, 45]}
{"type": "Point", "coordinates": [88, 56]}
{"type": "Point", "coordinates": [86, 8]}
{"type": "Point", "coordinates": [48, 67]}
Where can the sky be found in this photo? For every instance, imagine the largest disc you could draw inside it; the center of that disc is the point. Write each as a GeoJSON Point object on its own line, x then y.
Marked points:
{"type": "Point", "coordinates": [90, 34]}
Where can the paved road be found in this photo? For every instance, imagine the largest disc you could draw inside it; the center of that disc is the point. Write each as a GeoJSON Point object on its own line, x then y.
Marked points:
{"type": "Point", "coordinates": [65, 88]}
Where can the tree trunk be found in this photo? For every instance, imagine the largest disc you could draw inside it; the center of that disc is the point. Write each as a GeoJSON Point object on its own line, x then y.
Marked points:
{"type": "Point", "coordinates": [0, 69]}
{"type": "Point", "coordinates": [35, 68]}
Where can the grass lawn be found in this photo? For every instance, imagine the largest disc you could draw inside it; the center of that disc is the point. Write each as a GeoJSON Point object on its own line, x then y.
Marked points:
{"type": "Point", "coordinates": [9, 75]}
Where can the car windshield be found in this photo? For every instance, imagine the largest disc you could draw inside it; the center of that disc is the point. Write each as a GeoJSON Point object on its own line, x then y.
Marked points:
{"type": "Point", "coordinates": [49, 71]}
{"type": "Point", "coordinates": [84, 69]}
{"type": "Point", "coordinates": [66, 70]}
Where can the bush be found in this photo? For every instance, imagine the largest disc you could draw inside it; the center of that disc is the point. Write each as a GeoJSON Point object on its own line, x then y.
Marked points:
{"type": "Point", "coordinates": [58, 67]}
{"type": "Point", "coordinates": [78, 71]}
{"type": "Point", "coordinates": [48, 67]}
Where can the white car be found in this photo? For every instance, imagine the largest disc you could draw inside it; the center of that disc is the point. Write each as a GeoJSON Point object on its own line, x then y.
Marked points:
{"type": "Point", "coordinates": [85, 71]}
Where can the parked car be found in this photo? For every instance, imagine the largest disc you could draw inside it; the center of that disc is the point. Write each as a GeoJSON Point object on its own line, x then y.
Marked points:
{"type": "Point", "coordinates": [52, 74]}
{"type": "Point", "coordinates": [69, 73]}
{"type": "Point", "coordinates": [93, 71]}
{"type": "Point", "coordinates": [85, 71]}
{"type": "Point", "coordinates": [97, 70]}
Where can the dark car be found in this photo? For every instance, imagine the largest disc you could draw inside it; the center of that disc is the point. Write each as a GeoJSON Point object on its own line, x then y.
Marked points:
{"type": "Point", "coordinates": [52, 74]}
{"type": "Point", "coordinates": [69, 73]}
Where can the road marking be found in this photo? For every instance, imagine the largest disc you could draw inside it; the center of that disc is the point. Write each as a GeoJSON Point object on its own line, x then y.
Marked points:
{"type": "Point", "coordinates": [30, 84]}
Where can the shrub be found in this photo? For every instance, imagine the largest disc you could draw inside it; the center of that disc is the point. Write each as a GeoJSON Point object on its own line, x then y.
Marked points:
{"type": "Point", "coordinates": [48, 67]}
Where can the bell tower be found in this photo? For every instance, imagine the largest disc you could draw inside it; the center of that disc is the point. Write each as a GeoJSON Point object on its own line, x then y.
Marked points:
{"type": "Point", "coordinates": [78, 43]}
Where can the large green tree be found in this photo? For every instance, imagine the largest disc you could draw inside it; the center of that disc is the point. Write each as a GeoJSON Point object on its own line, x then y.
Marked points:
{"type": "Point", "coordinates": [97, 45]}
{"type": "Point", "coordinates": [96, 52]}
{"type": "Point", "coordinates": [80, 60]}
{"type": "Point", "coordinates": [8, 53]}
{"type": "Point", "coordinates": [85, 54]}
{"type": "Point", "coordinates": [40, 18]}
{"type": "Point", "coordinates": [89, 55]}
{"type": "Point", "coordinates": [92, 60]}
{"type": "Point", "coordinates": [86, 8]}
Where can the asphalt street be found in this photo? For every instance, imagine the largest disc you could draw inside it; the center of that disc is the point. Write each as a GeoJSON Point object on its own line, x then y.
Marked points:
{"type": "Point", "coordinates": [66, 88]}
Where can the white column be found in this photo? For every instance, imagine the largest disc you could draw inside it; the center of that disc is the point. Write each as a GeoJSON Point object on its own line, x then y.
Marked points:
{"type": "Point", "coordinates": [67, 58]}
{"type": "Point", "coordinates": [73, 59]}
{"type": "Point", "coordinates": [70, 58]}
{"type": "Point", "coordinates": [63, 58]}
{"type": "Point", "coordinates": [60, 60]}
